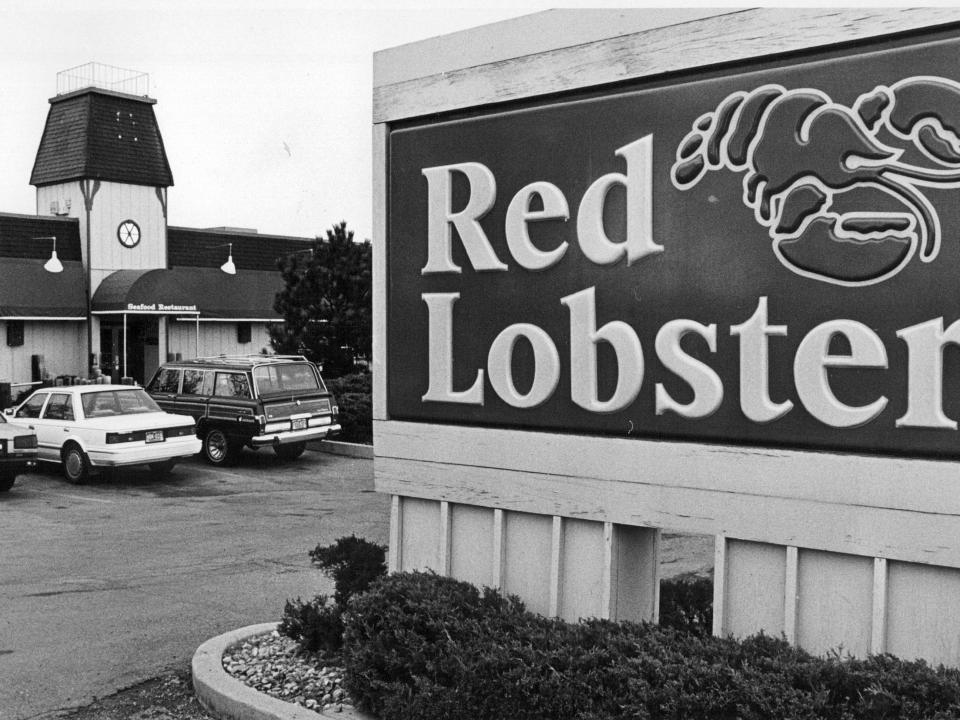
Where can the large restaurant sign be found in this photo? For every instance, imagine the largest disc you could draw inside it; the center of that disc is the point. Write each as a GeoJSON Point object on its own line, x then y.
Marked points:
{"type": "Point", "coordinates": [768, 258]}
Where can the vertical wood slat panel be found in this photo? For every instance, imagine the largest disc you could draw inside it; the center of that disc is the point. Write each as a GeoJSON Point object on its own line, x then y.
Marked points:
{"type": "Point", "coordinates": [499, 548]}
{"type": "Point", "coordinates": [878, 624]}
{"type": "Point", "coordinates": [472, 544]}
{"type": "Point", "coordinates": [790, 596]}
{"type": "Point", "coordinates": [443, 551]}
{"type": "Point", "coordinates": [921, 620]}
{"type": "Point", "coordinates": [835, 606]}
{"type": "Point", "coordinates": [608, 601]}
{"type": "Point", "coordinates": [556, 566]}
{"type": "Point", "coordinates": [719, 585]}
{"type": "Point", "coordinates": [396, 534]}
{"type": "Point", "coordinates": [655, 572]}
{"type": "Point", "coordinates": [753, 588]}
{"type": "Point", "coordinates": [529, 550]}
{"type": "Point", "coordinates": [420, 538]}
{"type": "Point", "coordinates": [594, 569]}
{"type": "Point", "coordinates": [583, 570]}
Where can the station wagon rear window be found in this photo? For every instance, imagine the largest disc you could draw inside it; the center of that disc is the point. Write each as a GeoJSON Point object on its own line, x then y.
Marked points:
{"type": "Point", "coordinates": [284, 378]}
{"type": "Point", "coordinates": [231, 384]}
{"type": "Point", "coordinates": [108, 403]}
{"type": "Point", "coordinates": [197, 382]}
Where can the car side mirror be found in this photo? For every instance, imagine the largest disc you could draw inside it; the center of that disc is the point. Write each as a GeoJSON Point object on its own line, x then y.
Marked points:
{"type": "Point", "coordinates": [9, 411]}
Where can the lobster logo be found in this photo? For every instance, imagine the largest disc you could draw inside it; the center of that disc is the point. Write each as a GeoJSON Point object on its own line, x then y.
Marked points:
{"type": "Point", "coordinates": [841, 190]}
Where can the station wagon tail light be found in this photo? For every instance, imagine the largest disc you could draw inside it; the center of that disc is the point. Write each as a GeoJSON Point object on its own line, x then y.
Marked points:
{"type": "Point", "coordinates": [25, 442]}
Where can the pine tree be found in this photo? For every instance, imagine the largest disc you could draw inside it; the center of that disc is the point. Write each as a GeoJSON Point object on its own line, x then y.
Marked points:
{"type": "Point", "coordinates": [326, 302]}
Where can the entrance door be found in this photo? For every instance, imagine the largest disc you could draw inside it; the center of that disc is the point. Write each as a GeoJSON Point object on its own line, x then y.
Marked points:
{"type": "Point", "coordinates": [142, 347]}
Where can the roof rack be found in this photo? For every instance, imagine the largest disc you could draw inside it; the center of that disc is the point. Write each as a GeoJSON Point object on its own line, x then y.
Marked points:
{"type": "Point", "coordinates": [252, 356]}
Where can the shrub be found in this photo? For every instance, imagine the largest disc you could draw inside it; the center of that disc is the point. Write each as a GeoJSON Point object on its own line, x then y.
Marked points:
{"type": "Point", "coordinates": [353, 563]}
{"type": "Point", "coordinates": [317, 625]}
{"type": "Point", "coordinates": [686, 603]}
{"type": "Point", "coordinates": [424, 647]}
{"type": "Point", "coordinates": [353, 394]}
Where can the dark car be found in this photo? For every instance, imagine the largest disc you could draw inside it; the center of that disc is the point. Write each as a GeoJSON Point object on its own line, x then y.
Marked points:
{"type": "Point", "coordinates": [18, 452]}
{"type": "Point", "coordinates": [248, 401]}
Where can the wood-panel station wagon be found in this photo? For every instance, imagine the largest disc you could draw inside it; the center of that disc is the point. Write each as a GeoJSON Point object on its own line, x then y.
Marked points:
{"type": "Point", "coordinates": [84, 427]}
{"type": "Point", "coordinates": [254, 401]}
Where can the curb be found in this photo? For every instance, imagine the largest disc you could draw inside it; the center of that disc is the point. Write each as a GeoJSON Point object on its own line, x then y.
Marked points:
{"type": "Point", "coordinates": [335, 447]}
{"type": "Point", "coordinates": [225, 697]}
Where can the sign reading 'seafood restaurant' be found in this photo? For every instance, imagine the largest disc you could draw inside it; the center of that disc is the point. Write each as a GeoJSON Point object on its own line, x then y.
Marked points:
{"type": "Point", "coordinates": [768, 258]}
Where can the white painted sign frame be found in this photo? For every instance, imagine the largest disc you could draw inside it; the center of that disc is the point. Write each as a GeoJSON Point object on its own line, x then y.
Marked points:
{"type": "Point", "coordinates": [790, 524]}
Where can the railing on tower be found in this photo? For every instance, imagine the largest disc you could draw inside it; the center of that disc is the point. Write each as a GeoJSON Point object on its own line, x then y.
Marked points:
{"type": "Point", "coordinates": [105, 77]}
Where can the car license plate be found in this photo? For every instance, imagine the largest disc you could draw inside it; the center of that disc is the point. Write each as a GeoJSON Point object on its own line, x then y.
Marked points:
{"type": "Point", "coordinates": [154, 436]}
{"type": "Point", "coordinates": [299, 423]}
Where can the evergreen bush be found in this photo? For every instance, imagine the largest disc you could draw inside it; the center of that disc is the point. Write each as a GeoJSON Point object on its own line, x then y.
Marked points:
{"type": "Point", "coordinates": [425, 647]}
{"type": "Point", "coordinates": [353, 394]}
{"type": "Point", "coordinates": [353, 563]}
{"type": "Point", "coordinates": [317, 624]}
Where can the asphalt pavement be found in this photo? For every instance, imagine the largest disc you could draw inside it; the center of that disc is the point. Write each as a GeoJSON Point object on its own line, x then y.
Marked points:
{"type": "Point", "coordinates": [105, 585]}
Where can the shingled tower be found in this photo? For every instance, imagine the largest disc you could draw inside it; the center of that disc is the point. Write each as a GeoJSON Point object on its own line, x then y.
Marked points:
{"type": "Point", "coordinates": [101, 159]}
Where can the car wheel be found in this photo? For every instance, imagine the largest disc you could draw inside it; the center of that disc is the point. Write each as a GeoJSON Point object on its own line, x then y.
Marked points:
{"type": "Point", "coordinates": [218, 447]}
{"type": "Point", "coordinates": [6, 481]}
{"type": "Point", "coordinates": [291, 451]}
{"type": "Point", "coordinates": [162, 469]}
{"type": "Point", "coordinates": [76, 466]}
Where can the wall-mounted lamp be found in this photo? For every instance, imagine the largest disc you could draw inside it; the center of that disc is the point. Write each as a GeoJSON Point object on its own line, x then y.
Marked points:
{"type": "Point", "coordinates": [228, 267]}
{"type": "Point", "coordinates": [53, 265]}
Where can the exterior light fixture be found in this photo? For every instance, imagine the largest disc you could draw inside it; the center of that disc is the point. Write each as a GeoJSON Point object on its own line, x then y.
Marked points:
{"type": "Point", "coordinates": [228, 267]}
{"type": "Point", "coordinates": [53, 265]}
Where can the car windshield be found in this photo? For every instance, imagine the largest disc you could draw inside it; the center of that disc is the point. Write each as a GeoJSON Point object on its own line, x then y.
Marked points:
{"type": "Point", "coordinates": [117, 402]}
{"type": "Point", "coordinates": [284, 378]}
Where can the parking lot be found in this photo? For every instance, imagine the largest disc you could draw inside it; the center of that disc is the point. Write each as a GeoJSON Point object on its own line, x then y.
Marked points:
{"type": "Point", "coordinates": [105, 584]}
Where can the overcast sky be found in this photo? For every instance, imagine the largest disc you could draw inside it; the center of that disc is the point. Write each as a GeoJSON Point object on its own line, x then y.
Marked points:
{"type": "Point", "coordinates": [264, 107]}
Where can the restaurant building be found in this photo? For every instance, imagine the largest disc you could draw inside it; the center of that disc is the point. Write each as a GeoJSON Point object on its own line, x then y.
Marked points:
{"type": "Point", "coordinates": [98, 282]}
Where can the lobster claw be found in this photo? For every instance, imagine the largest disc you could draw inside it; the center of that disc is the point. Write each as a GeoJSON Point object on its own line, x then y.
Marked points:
{"type": "Point", "coordinates": [922, 110]}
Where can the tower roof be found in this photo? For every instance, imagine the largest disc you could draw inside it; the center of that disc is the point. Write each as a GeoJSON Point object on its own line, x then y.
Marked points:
{"type": "Point", "coordinates": [101, 135]}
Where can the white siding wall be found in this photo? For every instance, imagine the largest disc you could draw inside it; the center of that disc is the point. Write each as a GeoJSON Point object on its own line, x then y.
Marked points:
{"type": "Point", "coordinates": [61, 194]}
{"type": "Point", "coordinates": [114, 203]}
{"type": "Point", "coordinates": [215, 338]}
{"type": "Point", "coordinates": [62, 345]}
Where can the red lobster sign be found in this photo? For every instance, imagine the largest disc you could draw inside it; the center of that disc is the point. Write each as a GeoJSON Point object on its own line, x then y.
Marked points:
{"type": "Point", "coordinates": [600, 264]}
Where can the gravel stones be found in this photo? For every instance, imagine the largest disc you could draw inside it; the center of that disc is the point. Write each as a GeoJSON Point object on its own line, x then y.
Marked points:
{"type": "Point", "coordinates": [274, 665]}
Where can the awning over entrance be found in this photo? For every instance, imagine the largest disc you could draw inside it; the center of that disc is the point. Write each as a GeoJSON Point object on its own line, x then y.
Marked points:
{"type": "Point", "coordinates": [28, 291]}
{"type": "Point", "coordinates": [207, 292]}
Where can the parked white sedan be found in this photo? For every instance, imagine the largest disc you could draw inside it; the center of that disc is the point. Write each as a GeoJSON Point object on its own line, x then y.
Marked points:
{"type": "Point", "coordinates": [102, 426]}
